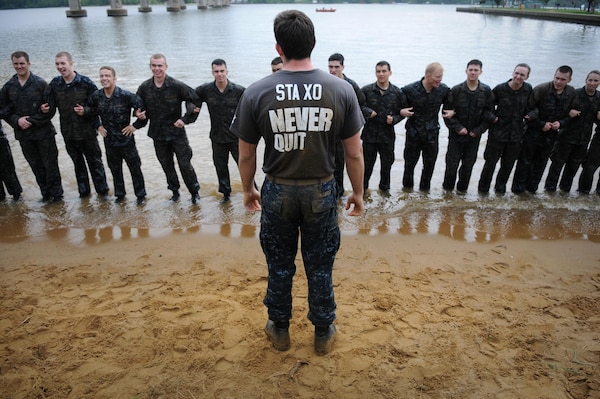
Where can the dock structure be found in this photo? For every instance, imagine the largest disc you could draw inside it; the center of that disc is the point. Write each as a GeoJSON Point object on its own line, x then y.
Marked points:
{"type": "Point", "coordinates": [542, 14]}
{"type": "Point", "coordinates": [116, 8]}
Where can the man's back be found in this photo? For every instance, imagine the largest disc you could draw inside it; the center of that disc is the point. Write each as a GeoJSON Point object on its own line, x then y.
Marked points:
{"type": "Point", "coordinates": [295, 113]}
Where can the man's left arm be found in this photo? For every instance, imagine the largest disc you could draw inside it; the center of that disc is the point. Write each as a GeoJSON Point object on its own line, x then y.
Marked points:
{"type": "Point", "coordinates": [247, 167]}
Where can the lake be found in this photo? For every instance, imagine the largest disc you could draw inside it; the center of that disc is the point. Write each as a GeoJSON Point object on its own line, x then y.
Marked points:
{"type": "Point", "coordinates": [408, 36]}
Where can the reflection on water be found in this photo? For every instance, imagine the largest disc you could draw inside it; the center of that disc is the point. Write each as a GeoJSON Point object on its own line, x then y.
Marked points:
{"type": "Point", "coordinates": [469, 217]}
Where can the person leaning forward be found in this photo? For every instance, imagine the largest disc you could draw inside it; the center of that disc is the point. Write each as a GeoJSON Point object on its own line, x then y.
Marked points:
{"type": "Point", "coordinates": [69, 93]}
{"type": "Point", "coordinates": [163, 95]}
{"type": "Point", "coordinates": [298, 194]}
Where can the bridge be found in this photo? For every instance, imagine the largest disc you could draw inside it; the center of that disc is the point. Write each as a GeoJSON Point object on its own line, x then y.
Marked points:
{"type": "Point", "coordinates": [116, 7]}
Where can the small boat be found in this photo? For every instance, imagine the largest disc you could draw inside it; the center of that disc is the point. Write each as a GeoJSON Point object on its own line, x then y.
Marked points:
{"type": "Point", "coordinates": [323, 9]}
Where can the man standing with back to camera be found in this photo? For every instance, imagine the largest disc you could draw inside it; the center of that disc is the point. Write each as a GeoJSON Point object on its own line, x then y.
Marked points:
{"type": "Point", "coordinates": [299, 111]}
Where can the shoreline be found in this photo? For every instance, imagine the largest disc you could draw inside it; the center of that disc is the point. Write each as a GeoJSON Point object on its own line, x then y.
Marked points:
{"type": "Point", "coordinates": [547, 15]}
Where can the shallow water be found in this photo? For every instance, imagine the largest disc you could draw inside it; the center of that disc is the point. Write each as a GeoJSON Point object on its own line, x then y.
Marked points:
{"type": "Point", "coordinates": [408, 36]}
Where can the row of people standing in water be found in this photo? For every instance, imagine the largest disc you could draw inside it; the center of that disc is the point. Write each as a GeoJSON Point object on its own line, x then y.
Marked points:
{"type": "Point", "coordinates": [28, 104]}
{"type": "Point", "coordinates": [526, 126]}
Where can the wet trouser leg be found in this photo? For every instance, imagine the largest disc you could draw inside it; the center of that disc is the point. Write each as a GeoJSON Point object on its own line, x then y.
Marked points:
{"type": "Point", "coordinates": [370, 156]}
{"type": "Point", "coordinates": [492, 153]}
{"type": "Point", "coordinates": [387, 157]}
{"type": "Point", "coordinates": [134, 163]}
{"type": "Point", "coordinates": [412, 152]}
{"type": "Point", "coordinates": [183, 152]}
{"type": "Point", "coordinates": [453, 157]}
{"type": "Point", "coordinates": [165, 154]}
{"type": "Point", "coordinates": [590, 166]}
{"type": "Point", "coordinates": [430, 153]}
{"type": "Point", "coordinates": [75, 151]}
{"type": "Point", "coordinates": [93, 155]}
{"type": "Point", "coordinates": [576, 159]}
{"type": "Point", "coordinates": [286, 209]}
{"type": "Point", "coordinates": [221, 153]}
{"type": "Point", "coordinates": [466, 167]}
{"type": "Point", "coordinates": [7, 170]}
{"type": "Point", "coordinates": [510, 153]}
{"type": "Point", "coordinates": [538, 164]}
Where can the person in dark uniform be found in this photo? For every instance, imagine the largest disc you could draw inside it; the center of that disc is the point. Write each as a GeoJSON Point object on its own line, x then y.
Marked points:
{"type": "Point", "coordinates": [336, 68]}
{"type": "Point", "coordinates": [69, 93]}
{"type": "Point", "coordinates": [383, 101]}
{"type": "Point", "coordinates": [423, 101]}
{"type": "Point", "coordinates": [24, 95]}
{"type": "Point", "coordinates": [221, 97]}
{"type": "Point", "coordinates": [571, 146]}
{"type": "Point", "coordinates": [548, 107]}
{"type": "Point", "coordinates": [8, 176]}
{"type": "Point", "coordinates": [506, 132]}
{"type": "Point", "coordinates": [591, 164]}
{"type": "Point", "coordinates": [298, 112]}
{"type": "Point", "coordinates": [276, 64]}
{"type": "Point", "coordinates": [162, 96]}
{"type": "Point", "coordinates": [114, 105]}
{"type": "Point", "coordinates": [473, 103]}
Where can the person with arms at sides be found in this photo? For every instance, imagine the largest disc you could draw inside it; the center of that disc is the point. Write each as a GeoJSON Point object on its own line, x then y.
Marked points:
{"type": "Point", "coordinates": [69, 93]}
{"type": "Point", "coordinates": [506, 132]}
{"type": "Point", "coordinates": [473, 105]}
{"type": "Point", "coordinates": [549, 106]}
{"type": "Point", "coordinates": [221, 97]}
{"type": "Point", "coordinates": [591, 164]}
{"type": "Point", "coordinates": [298, 112]}
{"type": "Point", "coordinates": [336, 68]}
{"type": "Point", "coordinates": [23, 96]}
{"type": "Point", "coordinates": [8, 175]}
{"type": "Point", "coordinates": [381, 109]}
{"type": "Point", "coordinates": [276, 64]}
{"type": "Point", "coordinates": [162, 96]}
{"type": "Point", "coordinates": [571, 146]}
{"type": "Point", "coordinates": [114, 106]}
{"type": "Point", "coordinates": [423, 101]}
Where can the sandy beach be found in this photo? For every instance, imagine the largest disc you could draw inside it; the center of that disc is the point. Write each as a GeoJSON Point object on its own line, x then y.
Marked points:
{"type": "Point", "coordinates": [419, 316]}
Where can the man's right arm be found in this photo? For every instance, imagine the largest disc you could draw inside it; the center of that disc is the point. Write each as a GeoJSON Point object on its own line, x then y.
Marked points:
{"type": "Point", "coordinates": [355, 167]}
{"type": "Point", "coordinates": [247, 166]}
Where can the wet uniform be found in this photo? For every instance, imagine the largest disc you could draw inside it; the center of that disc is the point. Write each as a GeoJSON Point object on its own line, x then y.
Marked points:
{"type": "Point", "coordinates": [8, 176]}
{"type": "Point", "coordinates": [571, 146]}
{"type": "Point", "coordinates": [378, 136]}
{"type": "Point", "coordinates": [163, 109]}
{"type": "Point", "coordinates": [505, 136]}
{"type": "Point", "coordinates": [422, 131]}
{"type": "Point", "coordinates": [544, 105]}
{"type": "Point", "coordinates": [115, 114]}
{"type": "Point", "coordinates": [473, 111]}
{"type": "Point", "coordinates": [221, 107]}
{"type": "Point", "coordinates": [78, 132]}
{"type": "Point", "coordinates": [38, 142]}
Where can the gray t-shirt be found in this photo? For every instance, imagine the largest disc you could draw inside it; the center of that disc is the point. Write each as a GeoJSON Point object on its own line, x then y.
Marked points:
{"type": "Point", "coordinates": [299, 115]}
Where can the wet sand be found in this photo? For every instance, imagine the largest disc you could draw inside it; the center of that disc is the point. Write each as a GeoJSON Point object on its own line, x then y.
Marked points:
{"type": "Point", "coordinates": [181, 316]}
